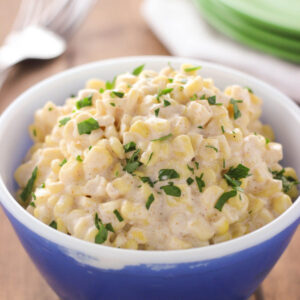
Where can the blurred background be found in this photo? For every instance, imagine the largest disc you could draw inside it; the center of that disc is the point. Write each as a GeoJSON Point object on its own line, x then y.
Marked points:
{"type": "Point", "coordinates": [260, 37]}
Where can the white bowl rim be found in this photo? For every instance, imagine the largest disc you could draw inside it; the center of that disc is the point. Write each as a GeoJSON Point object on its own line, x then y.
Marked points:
{"type": "Point", "coordinates": [134, 257]}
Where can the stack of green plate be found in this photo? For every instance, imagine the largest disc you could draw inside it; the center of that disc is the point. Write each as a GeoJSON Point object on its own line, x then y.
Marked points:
{"type": "Point", "coordinates": [272, 26]}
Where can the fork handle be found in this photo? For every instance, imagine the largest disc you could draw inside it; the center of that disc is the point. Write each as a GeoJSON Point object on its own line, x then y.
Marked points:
{"type": "Point", "coordinates": [8, 57]}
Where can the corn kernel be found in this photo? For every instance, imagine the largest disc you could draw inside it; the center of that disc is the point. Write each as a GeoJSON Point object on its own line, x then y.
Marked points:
{"type": "Point", "coordinates": [281, 203]}
{"type": "Point", "coordinates": [201, 229]}
{"type": "Point", "coordinates": [221, 226]}
{"type": "Point", "coordinates": [140, 128]}
{"type": "Point", "coordinates": [95, 84]}
{"type": "Point", "coordinates": [183, 147]}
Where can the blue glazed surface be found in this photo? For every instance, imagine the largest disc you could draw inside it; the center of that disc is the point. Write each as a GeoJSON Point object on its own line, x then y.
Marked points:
{"type": "Point", "coordinates": [232, 277]}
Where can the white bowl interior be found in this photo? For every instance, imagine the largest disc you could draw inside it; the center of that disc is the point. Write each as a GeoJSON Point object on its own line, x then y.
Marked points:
{"type": "Point", "coordinates": [278, 111]}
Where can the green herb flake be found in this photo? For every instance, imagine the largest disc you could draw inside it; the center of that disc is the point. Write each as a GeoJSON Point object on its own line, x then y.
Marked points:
{"type": "Point", "coordinates": [267, 141]}
{"type": "Point", "coordinates": [102, 234]}
{"type": "Point", "coordinates": [224, 198]}
{"type": "Point", "coordinates": [101, 90]}
{"type": "Point", "coordinates": [236, 110]}
{"type": "Point", "coordinates": [118, 215]}
{"type": "Point", "coordinates": [63, 162]}
{"type": "Point", "coordinates": [201, 127]}
{"type": "Point", "coordinates": [193, 98]}
{"type": "Point", "coordinates": [212, 100]}
{"type": "Point", "coordinates": [197, 165]}
{"type": "Point", "coordinates": [87, 101]}
{"type": "Point", "coordinates": [249, 89]}
{"type": "Point", "coordinates": [192, 69]}
{"type": "Point", "coordinates": [53, 224]}
{"type": "Point", "coordinates": [138, 70]}
{"type": "Point", "coordinates": [164, 92]}
{"type": "Point", "coordinates": [149, 201]}
{"type": "Point", "coordinates": [111, 85]}
{"type": "Point", "coordinates": [287, 181]}
{"type": "Point", "coordinates": [117, 94]}
{"type": "Point", "coordinates": [109, 227]}
{"type": "Point", "coordinates": [163, 138]}
{"type": "Point", "coordinates": [171, 190]}
{"type": "Point", "coordinates": [167, 103]}
{"type": "Point", "coordinates": [42, 185]}
{"type": "Point", "coordinates": [112, 104]}
{"type": "Point", "coordinates": [97, 221]}
{"type": "Point", "coordinates": [148, 180]}
{"type": "Point", "coordinates": [29, 186]}
{"type": "Point", "coordinates": [212, 147]}
{"type": "Point", "coordinates": [131, 146]}
{"type": "Point", "coordinates": [156, 112]}
{"type": "Point", "coordinates": [224, 163]}
{"type": "Point", "coordinates": [33, 196]}
{"type": "Point", "coordinates": [90, 147]}
{"type": "Point", "coordinates": [170, 80]}
{"type": "Point", "coordinates": [78, 157]}
{"type": "Point", "coordinates": [32, 204]}
{"type": "Point", "coordinates": [222, 128]}
{"type": "Point", "coordinates": [64, 121]}
{"type": "Point", "coordinates": [203, 97]}
{"type": "Point", "coordinates": [87, 126]}
{"type": "Point", "coordinates": [72, 96]}
{"type": "Point", "coordinates": [238, 172]}
{"type": "Point", "coordinates": [200, 182]}
{"type": "Point", "coordinates": [150, 157]}
{"type": "Point", "coordinates": [190, 168]}
{"type": "Point", "coordinates": [50, 108]}
{"type": "Point", "coordinates": [133, 163]}
{"type": "Point", "coordinates": [34, 132]}
{"type": "Point", "coordinates": [165, 174]}
{"type": "Point", "coordinates": [190, 180]}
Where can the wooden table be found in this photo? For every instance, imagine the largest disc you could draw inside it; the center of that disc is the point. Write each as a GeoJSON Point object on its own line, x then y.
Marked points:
{"type": "Point", "coordinates": [114, 28]}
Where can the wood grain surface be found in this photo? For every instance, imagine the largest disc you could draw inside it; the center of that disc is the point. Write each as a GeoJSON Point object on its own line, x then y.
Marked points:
{"type": "Point", "coordinates": [114, 28]}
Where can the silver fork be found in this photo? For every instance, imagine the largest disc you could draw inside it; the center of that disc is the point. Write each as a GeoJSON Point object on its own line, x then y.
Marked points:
{"type": "Point", "coordinates": [41, 30]}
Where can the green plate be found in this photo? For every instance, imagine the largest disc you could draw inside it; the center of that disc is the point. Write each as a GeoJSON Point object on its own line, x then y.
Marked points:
{"type": "Point", "coordinates": [257, 33]}
{"type": "Point", "coordinates": [217, 21]}
{"type": "Point", "coordinates": [278, 15]}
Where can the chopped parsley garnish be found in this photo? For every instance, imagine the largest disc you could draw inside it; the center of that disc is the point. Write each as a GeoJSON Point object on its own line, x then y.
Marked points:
{"type": "Point", "coordinates": [78, 157]}
{"type": "Point", "coordinates": [42, 185]}
{"type": "Point", "coordinates": [110, 85]}
{"type": "Point", "coordinates": [64, 121]}
{"type": "Point", "coordinates": [156, 112]}
{"type": "Point", "coordinates": [50, 108]}
{"type": "Point", "coordinates": [150, 157]}
{"type": "Point", "coordinates": [53, 224]}
{"type": "Point", "coordinates": [171, 189]}
{"type": "Point", "coordinates": [194, 97]}
{"type": "Point", "coordinates": [33, 196]}
{"type": "Point", "coordinates": [118, 94]}
{"type": "Point", "coordinates": [32, 204]}
{"type": "Point", "coordinates": [224, 198]}
{"type": "Point", "coordinates": [190, 168]}
{"type": "Point", "coordinates": [287, 181]}
{"type": "Point", "coordinates": [192, 69]}
{"type": "Point", "coordinates": [233, 182]}
{"type": "Point", "coordinates": [34, 132]}
{"type": "Point", "coordinates": [129, 147]}
{"type": "Point", "coordinates": [137, 71]}
{"type": "Point", "coordinates": [102, 234]}
{"type": "Point", "coordinates": [90, 147]}
{"type": "Point", "coordinates": [267, 141]}
{"type": "Point", "coordinates": [109, 227]}
{"type": "Point", "coordinates": [163, 138]}
{"type": "Point", "coordinates": [212, 100]}
{"type": "Point", "coordinates": [222, 128]}
{"type": "Point", "coordinates": [238, 172]}
{"type": "Point", "coordinates": [87, 126]}
{"type": "Point", "coordinates": [223, 163]}
{"type": "Point", "coordinates": [149, 201]}
{"type": "Point", "coordinates": [236, 110]}
{"type": "Point", "coordinates": [197, 165]}
{"type": "Point", "coordinates": [101, 90]}
{"type": "Point", "coordinates": [132, 163]}
{"type": "Point", "coordinates": [112, 104]}
{"type": "Point", "coordinates": [29, 186]}
{"type": "Point", "coordinates": [201, 127]}
{"type": "Point", "coordinates": [72, 96]}
{"type": "Point", "coordinates": [200, 182]}
{"type": "Point", "coordinates": [249, 90]}
{"type": "Point", "coordinates": [203, 97]}
{"type": "Point", "coordinates": [170, 80]}
{"type": "Point", "coordinates": [118, 215]}
{"type": "Point", "coordinates": [63, 162]}
{"type": "Point", "coordinates": [164, 92]}
{"type": "Point", "coordinates": [148, 180]}
{"type": "Point", "coordinates": [97, 221]}
{"type": "Point", "coordinates": [212, 147]}
{"type": "Point", "coordinates": [87, 101]}
{"type": "Point", "coordinates": [190, 180]}
{"type": "Point", "coordinates": [167, 103]}
{"type": "Point", "coordinates": [165, 174]}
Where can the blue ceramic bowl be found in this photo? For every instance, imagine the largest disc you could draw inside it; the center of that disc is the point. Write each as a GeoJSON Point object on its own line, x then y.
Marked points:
{"type": "Point", "coordinates": [76, 269]}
